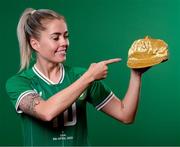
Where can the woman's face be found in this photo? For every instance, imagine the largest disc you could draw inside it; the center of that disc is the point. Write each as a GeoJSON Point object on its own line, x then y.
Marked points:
{"type": "Point", "coordinates": [53, 43]}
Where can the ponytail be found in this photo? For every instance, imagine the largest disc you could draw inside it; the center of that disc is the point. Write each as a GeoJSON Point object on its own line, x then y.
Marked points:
{"type": "Point", "coordinates": [24, 45]}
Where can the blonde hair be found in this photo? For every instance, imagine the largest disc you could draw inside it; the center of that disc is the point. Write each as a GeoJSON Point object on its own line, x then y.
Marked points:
{"type": "Point", "coordinates": [30, 24]}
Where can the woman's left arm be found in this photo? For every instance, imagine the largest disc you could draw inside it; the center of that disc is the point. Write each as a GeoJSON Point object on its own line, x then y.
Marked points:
{"type": "Point", "coordinates": [125, 110]}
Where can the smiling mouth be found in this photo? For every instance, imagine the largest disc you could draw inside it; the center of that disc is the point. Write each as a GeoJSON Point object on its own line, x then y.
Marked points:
{"type": "Point", "coordinates": [61, 52]}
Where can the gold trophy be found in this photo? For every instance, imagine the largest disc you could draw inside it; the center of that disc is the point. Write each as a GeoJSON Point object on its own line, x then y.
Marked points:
{"type": "Point", "coordinates": [147, 52]}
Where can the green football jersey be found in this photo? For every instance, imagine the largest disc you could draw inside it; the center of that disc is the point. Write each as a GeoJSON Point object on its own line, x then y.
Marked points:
{"type": "Point", "coordinates": [70, 127]}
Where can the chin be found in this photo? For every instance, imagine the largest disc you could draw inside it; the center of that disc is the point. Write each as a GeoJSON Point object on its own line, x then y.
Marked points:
{"type": "Point", "coordinates": [62, 60]}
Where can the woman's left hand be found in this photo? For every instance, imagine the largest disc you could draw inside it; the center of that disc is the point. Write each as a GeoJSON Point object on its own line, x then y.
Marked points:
{"type": "Point", "coordinates": [140, 71]}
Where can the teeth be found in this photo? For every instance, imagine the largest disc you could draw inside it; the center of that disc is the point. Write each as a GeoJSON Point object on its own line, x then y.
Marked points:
{"type": "Point", "coordinates": [61, 52]}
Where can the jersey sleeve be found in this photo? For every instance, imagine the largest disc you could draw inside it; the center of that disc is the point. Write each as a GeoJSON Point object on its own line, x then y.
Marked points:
{"type": "Point", "coordinates": [99, 94]}
{"type": "Point", "coordinates": [17, 87]}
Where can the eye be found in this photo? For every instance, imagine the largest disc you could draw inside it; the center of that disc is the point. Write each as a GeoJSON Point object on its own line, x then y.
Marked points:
{"type": "Point", "coordinates": [66, 36]}
{"type": "Point", "coordinates": [56, 38]}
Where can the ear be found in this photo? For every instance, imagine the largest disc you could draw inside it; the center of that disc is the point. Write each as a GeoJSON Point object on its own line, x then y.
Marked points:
{"type": "Point", "coordinates": [34, 43]}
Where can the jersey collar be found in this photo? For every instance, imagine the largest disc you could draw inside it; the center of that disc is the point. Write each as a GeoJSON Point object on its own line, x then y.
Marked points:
{"type": "Point", "coordinates": [47, 80]}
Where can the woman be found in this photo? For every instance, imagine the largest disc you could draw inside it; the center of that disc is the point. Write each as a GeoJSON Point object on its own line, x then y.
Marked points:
{"type": "Point", "coordinates": [51, 97]}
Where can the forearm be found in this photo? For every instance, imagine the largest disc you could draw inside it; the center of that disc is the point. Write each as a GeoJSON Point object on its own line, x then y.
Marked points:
{"type": "Point", "coordinates": [130, 101]}
{"type": "Point", "coordinates": [63, 99]}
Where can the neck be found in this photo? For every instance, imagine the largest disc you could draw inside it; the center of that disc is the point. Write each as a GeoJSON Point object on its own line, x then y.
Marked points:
{"type": "Point", "coordinates": [51, 70]}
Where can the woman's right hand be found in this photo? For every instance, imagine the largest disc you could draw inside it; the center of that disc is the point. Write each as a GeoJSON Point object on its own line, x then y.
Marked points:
{"type": "Point", "coordinates": [99, 70]}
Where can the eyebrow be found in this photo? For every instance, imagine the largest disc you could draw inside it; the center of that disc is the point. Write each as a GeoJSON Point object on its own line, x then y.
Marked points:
{"type": "Point", "coordinates": [58, 33]}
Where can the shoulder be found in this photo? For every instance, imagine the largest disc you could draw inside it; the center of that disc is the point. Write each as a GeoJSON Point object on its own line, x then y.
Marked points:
{"type": "Point", "coordinates": [74, 71]}
{"type": "Point", "coordinates": [20, 77]}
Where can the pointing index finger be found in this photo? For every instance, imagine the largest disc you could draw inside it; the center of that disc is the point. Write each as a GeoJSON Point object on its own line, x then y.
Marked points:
{"type": "Point", "coordinates": [110, 61]}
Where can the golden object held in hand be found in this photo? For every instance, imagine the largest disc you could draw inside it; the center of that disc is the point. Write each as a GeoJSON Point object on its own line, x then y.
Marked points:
{"type": "Point", "coordinates": [147, 52]}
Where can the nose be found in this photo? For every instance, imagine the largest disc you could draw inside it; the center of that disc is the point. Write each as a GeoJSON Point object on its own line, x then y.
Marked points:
{"type": "Point", "coordinates": [64, 41]}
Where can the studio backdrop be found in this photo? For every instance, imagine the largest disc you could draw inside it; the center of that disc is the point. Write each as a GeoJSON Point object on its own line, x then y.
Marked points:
{"type": "Point", "coordinates": [100, 30]}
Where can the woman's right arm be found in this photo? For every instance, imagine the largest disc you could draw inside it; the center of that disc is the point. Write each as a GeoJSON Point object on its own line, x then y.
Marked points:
{"type": "Point", "coordinates": [34, 105]}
